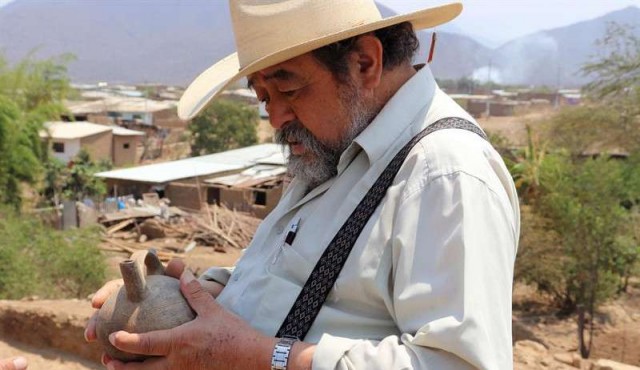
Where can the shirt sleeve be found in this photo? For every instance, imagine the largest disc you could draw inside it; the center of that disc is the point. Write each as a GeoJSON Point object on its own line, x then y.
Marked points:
{"type": "Point", "coordinates": [453, 250]}
{"type": "Point", "coordinates": [220, 275]}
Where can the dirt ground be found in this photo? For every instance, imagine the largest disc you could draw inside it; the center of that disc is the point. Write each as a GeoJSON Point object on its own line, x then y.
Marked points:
{"type": "Point", "coordinates": [616, 333]}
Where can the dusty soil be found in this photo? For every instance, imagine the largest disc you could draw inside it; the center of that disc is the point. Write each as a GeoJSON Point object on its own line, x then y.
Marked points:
{"type": "Point", "coordinates": [45, 358]}
{"type": "Point", "coordinates": [544, 340]}
{"type": "Point", "coordinates": [50, 333]}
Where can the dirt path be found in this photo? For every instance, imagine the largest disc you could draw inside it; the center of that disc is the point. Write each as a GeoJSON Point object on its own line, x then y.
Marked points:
{"type": "Point", "coordinates": [45, 358]}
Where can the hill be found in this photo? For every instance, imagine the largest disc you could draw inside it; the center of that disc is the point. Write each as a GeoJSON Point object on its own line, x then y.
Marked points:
{"type": "Point", "coordinates": [554, 57]}
{"type": "Point", "coordinates": [173, 40]}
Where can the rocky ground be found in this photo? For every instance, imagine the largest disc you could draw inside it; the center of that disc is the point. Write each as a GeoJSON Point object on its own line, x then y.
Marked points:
{"type": "Point", "coordinates": [546, 341]}
{"type": "Point", "coordinates": [50, 335]}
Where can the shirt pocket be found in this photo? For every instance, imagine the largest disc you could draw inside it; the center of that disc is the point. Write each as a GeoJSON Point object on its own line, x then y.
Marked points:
{"type": "Point", "coordinates": [290, 265]}
{"type": "Point", "coordinates": [285, 279]}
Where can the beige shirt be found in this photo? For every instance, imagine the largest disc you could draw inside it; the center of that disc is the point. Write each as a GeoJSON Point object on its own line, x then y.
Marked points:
{"type": "Point", "coordinates": [428, 282]}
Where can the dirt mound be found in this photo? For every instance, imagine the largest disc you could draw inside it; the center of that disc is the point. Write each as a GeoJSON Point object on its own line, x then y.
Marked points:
{"type": "Point", "coordinates": [56, 325]}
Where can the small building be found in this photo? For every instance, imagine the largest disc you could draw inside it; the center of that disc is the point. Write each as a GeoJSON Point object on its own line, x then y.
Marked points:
{"type": "Point", "coordinates": [141, 111]}
{"type": "Point", "coordinates": [256, 190]}
{"type": "Point", "coordinates": [66, 139]}
{"type": "Point", "coordinates": [185, 181]}
{"type": "Point", "coordinates": [102, 142]}
{"type": "Point", "coordinates": [478, 108]}
{"type": "Point", "coordinates": [570, 97]}
{"type": "Point", "coordinates": [125, 146]}
{"type": "Point", "coordinates": [126, 111]}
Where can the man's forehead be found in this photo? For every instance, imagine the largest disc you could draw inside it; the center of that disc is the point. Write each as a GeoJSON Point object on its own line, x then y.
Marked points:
{"type": "Point", "coordinates": [283, 71]}
{"type": "Point", "coordinates": [266, 75]}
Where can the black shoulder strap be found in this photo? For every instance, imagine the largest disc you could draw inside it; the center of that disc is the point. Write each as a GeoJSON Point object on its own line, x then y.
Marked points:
{"type": "Point", "coordinates": [325, 273]}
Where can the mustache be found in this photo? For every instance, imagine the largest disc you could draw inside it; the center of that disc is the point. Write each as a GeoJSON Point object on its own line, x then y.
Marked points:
{"type": "Point", "coordinates": [295, 131]}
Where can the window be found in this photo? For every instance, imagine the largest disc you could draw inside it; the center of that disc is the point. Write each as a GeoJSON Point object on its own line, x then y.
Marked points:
{"type": "Point", "coordinates": [260, 198]}
{"type": "Point", "coordinates": [125, 146]}
{"type": "Point", "coordinates": [58, 147]}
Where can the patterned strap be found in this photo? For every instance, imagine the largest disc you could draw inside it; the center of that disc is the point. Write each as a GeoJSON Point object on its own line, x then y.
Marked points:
{"type": "Point", "coordinates": [325, 273]}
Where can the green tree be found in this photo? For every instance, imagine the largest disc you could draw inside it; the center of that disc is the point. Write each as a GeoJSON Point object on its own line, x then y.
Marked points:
{"type": "Point", "coordinates": [19, 160]}
{"type": "Point", "coordinates": [616, 79]}
{"type": "Point", "coordinates": [616, 70]}
{"type": "Point", "coordinates": [31, 93]}
{"type": "Point", "coordinates": [527, 167]}
{"type": "Point", "coordinates": [75, 180]}
{"type": "Point", "coordinates": [222, 126]}
{"type": "Point", "coordinates": [583, 200]}
{"type": "Point", "coordinates": [588, 129]}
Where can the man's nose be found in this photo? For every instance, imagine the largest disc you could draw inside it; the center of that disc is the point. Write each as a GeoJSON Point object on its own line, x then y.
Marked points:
{"type": "Point", "coordinates": [280, 111]}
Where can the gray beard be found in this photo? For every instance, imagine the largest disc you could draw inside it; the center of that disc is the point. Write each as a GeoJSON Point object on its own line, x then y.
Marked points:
{"type": "Point", "coordinates": [321, 160]}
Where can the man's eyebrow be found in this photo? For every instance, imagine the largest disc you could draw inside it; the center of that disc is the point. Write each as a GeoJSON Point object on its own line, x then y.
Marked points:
{"type": "Point", "coordinates": [279, 74]}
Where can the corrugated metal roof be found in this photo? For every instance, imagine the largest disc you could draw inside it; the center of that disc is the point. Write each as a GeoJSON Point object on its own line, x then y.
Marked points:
{"type": "Point", "coordinates": [109, 103]}
{"type": "Point", "coordinates": [250, 174]}
{"type": "Point", "coordinates": [205, 165]}
{"type": "Point", "coordinates": [72, 130]}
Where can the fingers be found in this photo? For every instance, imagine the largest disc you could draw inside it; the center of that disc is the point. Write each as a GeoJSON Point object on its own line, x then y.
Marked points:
{"type": "Point", "coordinates": [90, 330]}
{"type": "Point", "coordinates": [14, 363]}
{"type": "Point", "coordinates": [199, 299]}
{"type": "Point", "coordinates": [211, 287]}
{"type": "Point", "coordinates": [175, 268]}
{"type": "Point", "coordinates": [105, 292]}
{"type": "Point", "coordinates": [154, 343]}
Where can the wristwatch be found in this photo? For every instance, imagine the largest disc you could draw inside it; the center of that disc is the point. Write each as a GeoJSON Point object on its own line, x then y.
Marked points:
{"type": "Point", "coordinates": [280, 357]}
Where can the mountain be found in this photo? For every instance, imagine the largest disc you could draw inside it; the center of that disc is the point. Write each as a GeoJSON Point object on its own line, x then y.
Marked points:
{"type": "Point", "coordinates": [455, 55]}
{"type": "Point", "coordinates": [120, 41]}
{"type": "Point", "coordinates": [172, 41]}
{"type": "Point", "coordinates": [554, 57]}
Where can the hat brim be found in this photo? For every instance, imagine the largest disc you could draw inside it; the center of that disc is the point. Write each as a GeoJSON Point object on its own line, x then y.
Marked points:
{"type": "Point", "coordinates": [227, 71]}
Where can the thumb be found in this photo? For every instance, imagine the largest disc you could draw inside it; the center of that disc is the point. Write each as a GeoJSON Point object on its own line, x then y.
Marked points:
{"type": "Point", "coordinates": [199, 299]}
{"type": "Point", "coordinates": [15, 363]}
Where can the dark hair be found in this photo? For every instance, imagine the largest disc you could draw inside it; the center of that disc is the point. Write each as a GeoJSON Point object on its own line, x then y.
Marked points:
{"type": "Point", "coordinates": [399, 44]}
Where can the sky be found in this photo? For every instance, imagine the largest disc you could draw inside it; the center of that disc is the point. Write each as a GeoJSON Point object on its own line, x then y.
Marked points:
{"type": "Point", "coordinates": [494, 22]}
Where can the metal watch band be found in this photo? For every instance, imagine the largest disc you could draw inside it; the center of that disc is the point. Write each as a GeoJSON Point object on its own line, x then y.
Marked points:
{"type": "Point", "coordinates": [280, 356]}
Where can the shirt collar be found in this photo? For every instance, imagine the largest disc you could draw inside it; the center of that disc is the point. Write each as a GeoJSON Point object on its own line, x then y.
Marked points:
{"type": "Point", "coordinates": [394, 118]}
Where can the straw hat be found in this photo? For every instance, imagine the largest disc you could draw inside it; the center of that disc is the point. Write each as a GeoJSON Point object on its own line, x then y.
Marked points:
{"type": "Point", "coordinates": [269, 32]}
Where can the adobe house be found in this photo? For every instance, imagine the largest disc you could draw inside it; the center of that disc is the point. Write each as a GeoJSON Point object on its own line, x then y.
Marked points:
{"type": "Point", "coordinates": [185, 181]}
{"type": "Point", "coordinates": [143, 112]}
{"type": "Point", "coordinates": [125, 111]}
{"type": "Point", "coordinates": [256, 190]}
{"type": "Point", "coordinates": [125, 145]}
{"type": "Point", "coordinates": [102, 142]}
{"type": "Point", "coordinates": [68, 138]}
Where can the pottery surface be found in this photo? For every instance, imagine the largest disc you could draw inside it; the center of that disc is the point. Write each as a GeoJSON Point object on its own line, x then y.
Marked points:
{"type": "Point", "coordinates": [148, 301]}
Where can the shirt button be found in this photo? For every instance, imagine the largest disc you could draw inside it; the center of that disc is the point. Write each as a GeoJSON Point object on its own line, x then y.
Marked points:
{"type": "Point", "coordinates": [236, 277]}
{"type": "Point", "coordinates": [279, 229]}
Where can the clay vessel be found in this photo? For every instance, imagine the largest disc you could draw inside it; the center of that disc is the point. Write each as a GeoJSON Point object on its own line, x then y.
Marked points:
{"type": "Point", "coordinates": [149, 300]}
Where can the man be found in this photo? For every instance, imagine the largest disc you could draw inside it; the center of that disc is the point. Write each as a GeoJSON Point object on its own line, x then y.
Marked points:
{"type": "Point", "coordinates": [14, 363]}
{"type": "Point", "coordinates": [427, 284]}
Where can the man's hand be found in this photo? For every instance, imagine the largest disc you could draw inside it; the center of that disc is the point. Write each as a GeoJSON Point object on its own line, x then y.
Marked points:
{"type": "Point", "coordinates": [215, 339]}
{"type": "Point", "coordinates": [173, 269]}
{"type": "Point", "coordinates": [14, 363]}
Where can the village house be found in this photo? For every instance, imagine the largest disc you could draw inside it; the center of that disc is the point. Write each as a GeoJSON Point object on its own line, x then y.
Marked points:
{"type": "Point", "coordinates": [259, 171]}
{"type": "Point", "coordinates": [102, 142]}
{"type": "Point", "coordinates": [126, 111]}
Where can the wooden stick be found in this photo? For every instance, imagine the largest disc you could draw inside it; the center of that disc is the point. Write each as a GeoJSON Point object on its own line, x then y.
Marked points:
{"type": "Point", "coordinates": [120, 225]}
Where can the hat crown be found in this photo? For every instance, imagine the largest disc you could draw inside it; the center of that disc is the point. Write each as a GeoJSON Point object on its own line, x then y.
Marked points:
{"type": "Point", "coordinates": [262, 26]}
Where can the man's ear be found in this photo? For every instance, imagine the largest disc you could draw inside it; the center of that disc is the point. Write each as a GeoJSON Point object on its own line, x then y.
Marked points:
{"type": "Point", "coordinates": [368, 61]}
